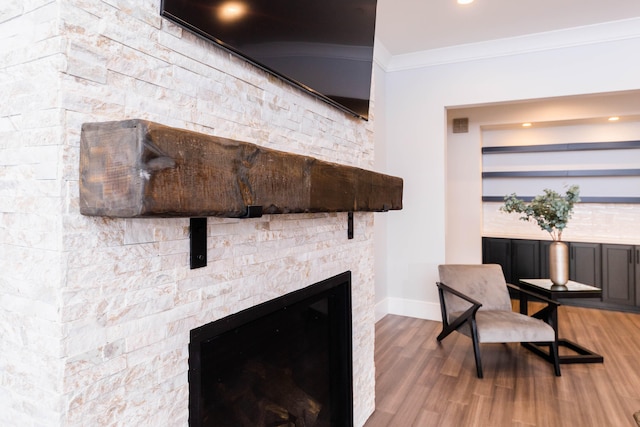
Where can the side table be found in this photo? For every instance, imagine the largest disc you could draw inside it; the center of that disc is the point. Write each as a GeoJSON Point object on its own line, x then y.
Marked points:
{"type": "Point", "coordinates": [545, 288]}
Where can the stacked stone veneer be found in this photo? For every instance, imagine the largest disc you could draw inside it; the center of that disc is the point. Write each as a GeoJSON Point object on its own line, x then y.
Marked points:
{"type": "Point", "coordinates": [95, 313]}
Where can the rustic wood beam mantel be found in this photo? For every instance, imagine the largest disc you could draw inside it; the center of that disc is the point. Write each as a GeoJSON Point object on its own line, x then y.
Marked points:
{"type": "Point", "coordinates": [136, 168]}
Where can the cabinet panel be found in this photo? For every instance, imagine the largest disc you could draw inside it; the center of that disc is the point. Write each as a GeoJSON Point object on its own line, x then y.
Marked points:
{"type": "Point", "coordinates": [637, 268]}
{"type": "Point", "coordinates": [618, 274]}
{"type": "Point", "coordinates": [544, 258]}
{"type": "Point", "coordinates": [498, 251]}
{"type": "Point", "coordinates": [525, 260]}
{"type": "Point", "coordinates": [585, 263]}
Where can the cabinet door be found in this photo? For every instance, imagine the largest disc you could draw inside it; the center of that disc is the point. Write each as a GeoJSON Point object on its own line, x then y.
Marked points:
{"type": "Point", "coordinates": [498, 251]}
{"type": "Point", "coordinates": [525, 260]}
{"type": "Point", "coordinates": [544, 258]}
{"type": "Point", "coordinates": [637, 268]}
{"type": "Point", "coordinates": [584, 263]}
{"type": "Point", "coordinates": [618, 282]}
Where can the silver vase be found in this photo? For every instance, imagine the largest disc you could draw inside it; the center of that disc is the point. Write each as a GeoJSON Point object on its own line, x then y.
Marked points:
{"type": "Point", "coordinates": [559, 264]}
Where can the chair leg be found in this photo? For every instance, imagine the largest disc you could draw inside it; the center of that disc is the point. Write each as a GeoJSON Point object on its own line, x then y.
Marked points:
{"type": "Point", "coordinates": [476, 347]}
{"type": "Point", "coordinates": [446, 330]}
{"type": "Point", "coordinates": [555, 357]}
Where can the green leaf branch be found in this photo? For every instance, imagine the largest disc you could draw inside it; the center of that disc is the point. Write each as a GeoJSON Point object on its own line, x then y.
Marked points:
{"type": "Point", "coordinates": [550, 210]}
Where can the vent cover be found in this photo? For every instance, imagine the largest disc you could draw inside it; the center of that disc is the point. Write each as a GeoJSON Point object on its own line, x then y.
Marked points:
{"type": "Point", "coordinates": [461, 125]}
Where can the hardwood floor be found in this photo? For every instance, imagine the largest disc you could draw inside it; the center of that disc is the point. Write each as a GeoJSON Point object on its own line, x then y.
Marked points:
{"type": "Point", "coordinates": [420, 382]}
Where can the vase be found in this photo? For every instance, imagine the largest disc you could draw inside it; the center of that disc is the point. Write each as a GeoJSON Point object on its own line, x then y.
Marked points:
{"type": "Point", "coordinates": [558, 264]}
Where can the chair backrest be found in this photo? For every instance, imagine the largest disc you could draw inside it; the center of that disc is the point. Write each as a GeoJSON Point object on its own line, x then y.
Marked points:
{"type": "Point", "coordinates": [483, 282]}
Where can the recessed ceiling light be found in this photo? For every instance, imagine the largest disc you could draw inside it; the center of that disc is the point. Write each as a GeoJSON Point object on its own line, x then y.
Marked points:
{"type": "Point", "coordinates": [526, 125]}
{"type": "Point", "coordinates": [465, 1]}
{"type": "Point", "coordinates": [614, 119]}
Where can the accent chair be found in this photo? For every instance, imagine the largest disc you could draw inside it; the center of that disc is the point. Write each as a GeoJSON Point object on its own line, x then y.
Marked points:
{"type": "Point", "coordinates": [475, 301]}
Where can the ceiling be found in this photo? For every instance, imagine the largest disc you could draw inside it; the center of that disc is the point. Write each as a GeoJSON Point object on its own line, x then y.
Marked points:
{"type": "Point", "coordinates": [406, 26]}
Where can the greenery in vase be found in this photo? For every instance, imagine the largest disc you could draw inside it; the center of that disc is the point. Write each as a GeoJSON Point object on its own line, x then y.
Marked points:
{"type": "Point", "coordinates": [550, 210]}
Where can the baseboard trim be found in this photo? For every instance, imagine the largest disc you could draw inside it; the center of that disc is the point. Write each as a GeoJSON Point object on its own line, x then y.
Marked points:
{"type": "Point", "coordinates": [409, 308]}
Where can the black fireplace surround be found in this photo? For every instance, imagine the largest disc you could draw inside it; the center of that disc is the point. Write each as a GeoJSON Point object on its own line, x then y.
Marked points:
{"type": "Point", "coordinates": [286, 362]}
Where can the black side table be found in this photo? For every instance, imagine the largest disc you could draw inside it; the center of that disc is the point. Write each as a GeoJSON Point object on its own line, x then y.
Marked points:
{"type": "Point", "coordinates": [545, 288]}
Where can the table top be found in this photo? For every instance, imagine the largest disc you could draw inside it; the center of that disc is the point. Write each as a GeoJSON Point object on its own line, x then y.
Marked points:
{"type": "Point", "coordinates": [573, 289]}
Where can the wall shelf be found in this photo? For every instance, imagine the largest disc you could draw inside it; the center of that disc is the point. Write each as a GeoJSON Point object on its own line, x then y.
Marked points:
{"type": "Point", "coordinates": [573, 146]}
{"type": "Point", "coordinates": [561, 173]}
{"type": "Point", "coordinates": [528, 169]}
{"type": "Point", "coordinates": [603, 199]}
{"type": "Point", "coordinates": [136, 168]}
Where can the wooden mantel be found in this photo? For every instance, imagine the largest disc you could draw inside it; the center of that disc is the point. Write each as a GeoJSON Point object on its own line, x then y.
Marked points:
{"type": "Point", "coordinates": [136, 168]}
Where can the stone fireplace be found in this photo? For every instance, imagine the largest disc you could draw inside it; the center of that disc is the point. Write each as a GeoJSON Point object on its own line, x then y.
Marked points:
{"type": "Point", "coordinates": [96, 312]}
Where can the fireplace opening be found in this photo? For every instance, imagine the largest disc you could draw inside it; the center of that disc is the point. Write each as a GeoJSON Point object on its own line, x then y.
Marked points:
{"type": "Point", "coordinates": [286, 362]}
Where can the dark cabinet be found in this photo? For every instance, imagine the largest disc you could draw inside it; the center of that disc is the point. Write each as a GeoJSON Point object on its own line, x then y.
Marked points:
{"type": "Point", "coordinates": [636, 249]}
{"type": "Point", "coordinates": [520, 259]}
{"type": "Point", "coordinates": [613, 268]}
{"type": "Point", "coordinates": [585, 263]}
{"type": "Point", "coordinates": [544, 258]}
{"type": "Point", "coordinates": [525, 260]}
{"type": "Point", "coordinates": [618, 274]}
{"type": "Point", "coordinates": [498, 251]}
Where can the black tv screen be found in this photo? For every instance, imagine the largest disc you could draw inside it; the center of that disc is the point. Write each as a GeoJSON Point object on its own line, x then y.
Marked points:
{"type": "Point", "coordinates": [322, 46]}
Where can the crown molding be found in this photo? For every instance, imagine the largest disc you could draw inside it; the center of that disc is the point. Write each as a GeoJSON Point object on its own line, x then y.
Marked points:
{"type": "Point", "coordinates": [381, 54]}
{"type": "Point", "coordinates": [570, 37]}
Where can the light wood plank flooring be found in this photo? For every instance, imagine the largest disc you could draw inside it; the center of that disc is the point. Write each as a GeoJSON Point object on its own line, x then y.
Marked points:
{"type": "Point", "coordinates": [420, 382]}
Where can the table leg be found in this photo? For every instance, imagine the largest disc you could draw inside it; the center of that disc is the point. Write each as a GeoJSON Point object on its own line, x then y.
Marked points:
{"type": "Point", "coordinates": [582, 354]}
{"type": "Point", "coordinates": [524, 304]}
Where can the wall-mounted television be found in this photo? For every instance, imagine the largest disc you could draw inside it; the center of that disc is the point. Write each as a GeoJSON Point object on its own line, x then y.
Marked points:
{"type": "Point", "coordinates": [324, 47]}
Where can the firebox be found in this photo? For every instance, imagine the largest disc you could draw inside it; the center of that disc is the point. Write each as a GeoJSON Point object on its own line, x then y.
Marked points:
{"type": "Point", "coordinates": [286, 362]}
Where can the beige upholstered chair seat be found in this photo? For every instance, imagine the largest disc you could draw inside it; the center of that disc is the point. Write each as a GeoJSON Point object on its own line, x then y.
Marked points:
{"type": "Point", "coordinates": [498, 326]}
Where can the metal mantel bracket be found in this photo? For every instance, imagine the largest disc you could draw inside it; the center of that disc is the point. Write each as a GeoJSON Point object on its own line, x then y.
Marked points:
{"type": "Point", "coordinates": [198, 237]}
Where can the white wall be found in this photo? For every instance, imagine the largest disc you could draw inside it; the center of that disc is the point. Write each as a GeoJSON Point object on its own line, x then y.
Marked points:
{"type": "Point", "coordinates": [417, 99]}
